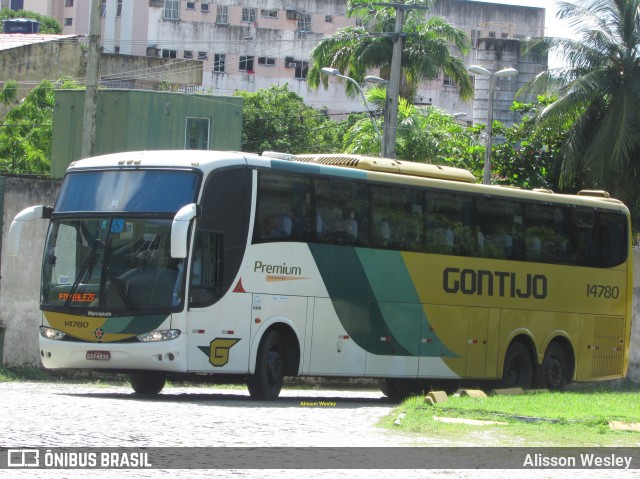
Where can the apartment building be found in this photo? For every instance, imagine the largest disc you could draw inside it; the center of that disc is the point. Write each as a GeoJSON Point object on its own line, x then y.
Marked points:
{"type": "Point", "coordinates": [251, 44]}
{"type": "Point", "coordinates": [496, 32]}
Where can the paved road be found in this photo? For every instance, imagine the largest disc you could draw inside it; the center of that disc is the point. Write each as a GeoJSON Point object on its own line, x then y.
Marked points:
{"type": "Point", "coordinates": [64, 415]}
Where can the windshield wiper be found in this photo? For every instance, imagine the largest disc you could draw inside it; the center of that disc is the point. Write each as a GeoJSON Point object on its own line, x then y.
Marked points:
{"type": "Point", "coordinates": [121, 292]}
{"type": "Point", "coordinates": [85, 271]}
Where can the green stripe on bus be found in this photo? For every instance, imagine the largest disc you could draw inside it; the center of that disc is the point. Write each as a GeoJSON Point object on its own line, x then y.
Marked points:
{"type": "Point", "coordinates": [133, 324]}
{"type": "Point", "coordinates": [361, 284]}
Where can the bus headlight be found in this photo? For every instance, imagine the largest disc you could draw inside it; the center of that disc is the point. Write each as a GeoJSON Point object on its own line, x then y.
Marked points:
{"type": "Point", "coordinates": [154, 336]}
{"type": "Point", "coordinates": [51, 333]}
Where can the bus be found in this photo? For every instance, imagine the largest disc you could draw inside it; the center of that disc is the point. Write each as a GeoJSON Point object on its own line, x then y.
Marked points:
{"type": "Point", "coordinates": [234, 266]}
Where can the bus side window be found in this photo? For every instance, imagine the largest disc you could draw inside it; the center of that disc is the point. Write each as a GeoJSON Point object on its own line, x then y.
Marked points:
{"type": "Point", "coordinates": [583, 241]}
{"type": "Point", "coordinates": [284, 209]}
{"type": "Point", "coordinates": [613, 238]}
{"type": "Point", "coordinates": [341, 212]}
{"type": "Point", "coordinates": [450, 222]}
{"type": "Point", "coordinates": [500, 221]}
{"type": "Point", "coordinates": [205, 269]}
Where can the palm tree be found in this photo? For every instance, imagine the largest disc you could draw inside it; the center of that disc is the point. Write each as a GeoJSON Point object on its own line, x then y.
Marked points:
{"type": "Point", "coordinates": [598, 93]}
{"type": "Point", "coordinates": [426, 49]}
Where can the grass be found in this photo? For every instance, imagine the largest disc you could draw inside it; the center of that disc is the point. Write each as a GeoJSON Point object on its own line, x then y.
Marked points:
{"type": "Point", "coordinates": [29, 373]}
{"type": "Point", "coordinates": [24, 374]}
{"type": "Point", "coordinates": [543, 419]}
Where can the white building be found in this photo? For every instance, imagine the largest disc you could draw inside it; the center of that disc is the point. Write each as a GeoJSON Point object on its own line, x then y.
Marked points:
{"type": "Point", "coordinates": [496, 32]}
{"type": "Point", "coordinates": [251, 44]}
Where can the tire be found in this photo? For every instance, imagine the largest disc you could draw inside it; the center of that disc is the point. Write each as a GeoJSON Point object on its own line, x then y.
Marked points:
{"type": "Point", "coordinates": [265, 384]}
{"type": "Point", "coordinates": [518, 367]}
{"type": "Point", "coordinates": [401, 389]}
{"type": "Point", "coordinates": [147, 384]}
{"type": "Point", "coordinates": [554, 368]}
{"type": "Point", "coordinates": [389, 388]}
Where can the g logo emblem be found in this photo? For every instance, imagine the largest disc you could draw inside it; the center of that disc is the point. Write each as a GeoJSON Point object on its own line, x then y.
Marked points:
{"type": "Point", "coordinates": [219, 350]}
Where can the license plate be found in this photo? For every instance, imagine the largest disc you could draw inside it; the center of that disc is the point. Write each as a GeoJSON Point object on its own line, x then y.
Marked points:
{"type": "Point", "coordinates": [98, 355]}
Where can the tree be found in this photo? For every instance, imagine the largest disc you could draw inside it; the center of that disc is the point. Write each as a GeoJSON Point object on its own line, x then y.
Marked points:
{"type": "Point", "coordinates": [47, 24]}
{"type": "Point", "coordinates": [26, 133]}
{"type": "Point", "coordinates": [355, 50]}
{"type": "Point", "coordinates": [425, 135]}
{"type": "Point", "coordinates": [598, 94]}
{"type": "Point", "coordinates": [277, 119]}
{"type": "Point", "coordinates": [531, 156]}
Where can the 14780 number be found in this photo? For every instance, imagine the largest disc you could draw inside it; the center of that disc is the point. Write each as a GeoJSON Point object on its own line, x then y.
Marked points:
{"type": "Point", "coordinates": [603, 291]}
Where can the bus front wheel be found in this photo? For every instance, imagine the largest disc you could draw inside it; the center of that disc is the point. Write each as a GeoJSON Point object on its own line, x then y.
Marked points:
{"type": "Point", "coordinates": [518, 367]}
{"type": "Point", "coordinates": [147, 384]}
{"type": "Point", "coordinates": [554, 368]}
{"type": "Point", "coordinates": [265, 384]}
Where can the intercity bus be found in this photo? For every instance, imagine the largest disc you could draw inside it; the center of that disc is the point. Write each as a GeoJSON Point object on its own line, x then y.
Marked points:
{"type": "Point", "coordinates": [201, 265]}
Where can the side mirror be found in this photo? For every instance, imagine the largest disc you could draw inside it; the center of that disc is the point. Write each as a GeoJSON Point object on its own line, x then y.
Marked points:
{"type": "Point", "coordinates": [180, 230]}
{"type": "Point", "coordinates": [15, 230]}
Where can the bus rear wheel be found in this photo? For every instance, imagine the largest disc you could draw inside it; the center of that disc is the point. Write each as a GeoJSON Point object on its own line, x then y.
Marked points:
{"type": "Point", "coordinates": [147, 384]}
{"type": "Point", "coordinates": [518, 367]}
{"type": "Point", "coordinates": [554, 368]}
{"type": "Point", "coordinates": [265, 384]}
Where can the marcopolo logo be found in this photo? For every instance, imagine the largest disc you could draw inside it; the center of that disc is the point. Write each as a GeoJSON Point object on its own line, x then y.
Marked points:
{"type": "Point", "coordinates": [494, 283]}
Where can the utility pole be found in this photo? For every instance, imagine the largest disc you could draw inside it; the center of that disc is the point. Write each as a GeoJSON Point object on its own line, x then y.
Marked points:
{"type": "Point", "coordinates": [395, 77]}
{"type": "Point", "coordinates": [91, 93]}
{"type": "Point", "coordinates": [393, 88]}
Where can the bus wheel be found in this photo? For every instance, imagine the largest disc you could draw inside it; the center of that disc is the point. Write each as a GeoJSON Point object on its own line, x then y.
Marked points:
{"type": "Point", "coordinates": [265, 384]}
{"type": "Point", "coordinates": [390, 388]}
{"type": "Point", "coordinates": [554, 368]}
{"type": "Point", "coordinates": [518, 367]}
{"type": "Point", "coordinates": [148, 384]}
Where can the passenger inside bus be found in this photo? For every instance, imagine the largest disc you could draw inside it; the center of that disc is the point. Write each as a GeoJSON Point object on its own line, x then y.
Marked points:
{"type": "Point", "coordinates": [277, 226]}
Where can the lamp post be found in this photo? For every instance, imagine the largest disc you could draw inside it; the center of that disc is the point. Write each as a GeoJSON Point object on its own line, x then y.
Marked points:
{"type": "Point", "coordinates": [504, 73]}
{"type": "Point", "coordinates": [369, 78]}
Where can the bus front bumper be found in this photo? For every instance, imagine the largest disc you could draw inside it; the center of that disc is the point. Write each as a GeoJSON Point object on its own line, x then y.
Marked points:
{"type": "Point", "coordinates": [168, 356]}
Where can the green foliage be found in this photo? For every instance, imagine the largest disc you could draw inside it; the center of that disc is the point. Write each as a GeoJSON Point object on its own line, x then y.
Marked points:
{"type": "Point", "coordinates": [531, 155]}
{"type": "Point", "coordinates": [355, 50]}
{"type": "Point", "coordinates": [425, 135]}
{"type": "Point", "coordinates": [432, 136]}
{"type": "Point", "coordinates": [25, 140]}
{"type": "Point", "coordinates": [277, 119]}
{"type": "Point", "coordinates": [25, 136]}
{"type": "Point", "coordinates": [530, 419]}
{"type": "Point", "coordinates": [9, 92]}
{"type": "Point", "coordinates": [68, 83]}
{"type": "Point", "coordinates": [166, 85]}
{"type": "Point", "coordinates": [598, 94]}
{"type": "Point", "coordinates": [47, 24]}
{"type": "Point", "coordinates": [23, 374]}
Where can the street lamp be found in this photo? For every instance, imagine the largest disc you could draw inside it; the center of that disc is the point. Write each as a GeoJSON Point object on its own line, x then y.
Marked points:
{"type": "Point", "coordinates": [504, 73]}
{"type": "Point", "coordinates": [375, 79]}
{"type": "Point", "coordinates": [369, 78]}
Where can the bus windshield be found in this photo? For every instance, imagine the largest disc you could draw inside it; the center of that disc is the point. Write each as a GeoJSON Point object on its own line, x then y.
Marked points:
{"type": "Point", "coordinates": [116, 265]}
{"type": "Point", "coordinates": [133, 191]}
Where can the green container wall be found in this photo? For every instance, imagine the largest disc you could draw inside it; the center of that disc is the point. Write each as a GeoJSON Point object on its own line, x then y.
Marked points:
{"type": "Point", "coordinates": [129, 120]}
